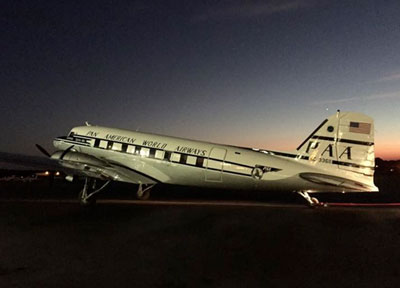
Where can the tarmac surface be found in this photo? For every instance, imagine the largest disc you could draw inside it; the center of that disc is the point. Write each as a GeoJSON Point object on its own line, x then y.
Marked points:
{"type": "Point", "coordinates": [51, 242]}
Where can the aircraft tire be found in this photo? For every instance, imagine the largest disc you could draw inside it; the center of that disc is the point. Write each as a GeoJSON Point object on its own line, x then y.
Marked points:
{"type": "Point", "coordinates": [86, 202]}
{"type": "Point", "coordinates": [314, 200]}
{"type": "Point", "coordinates": [145, 195]}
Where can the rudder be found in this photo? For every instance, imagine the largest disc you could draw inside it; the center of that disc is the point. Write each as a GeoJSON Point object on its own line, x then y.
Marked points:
{"type": "Point", "coordinates": [344, 141]}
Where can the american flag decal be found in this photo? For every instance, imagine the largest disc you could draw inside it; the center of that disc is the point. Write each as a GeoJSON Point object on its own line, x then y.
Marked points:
{"type": "Point", "coordinates": [358, 127]}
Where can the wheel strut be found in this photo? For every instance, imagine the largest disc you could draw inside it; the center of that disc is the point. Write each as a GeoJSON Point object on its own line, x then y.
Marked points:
{"type": "Point", "coordinates": [143, 193]}
{"type": "Point", "coordinates": [89, 190]}
{"type": "Point", "coordinates": [312, 201]}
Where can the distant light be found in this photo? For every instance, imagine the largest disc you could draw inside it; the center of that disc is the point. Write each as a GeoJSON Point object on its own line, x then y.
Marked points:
{"type": "Point", "coordinates": [57, 173]}
{"type": "Point", "coordinates": [47, 173]}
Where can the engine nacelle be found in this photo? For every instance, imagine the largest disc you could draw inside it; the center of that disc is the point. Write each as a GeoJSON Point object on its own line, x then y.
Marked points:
{"type": "Point", "coordinates": [78, 157]}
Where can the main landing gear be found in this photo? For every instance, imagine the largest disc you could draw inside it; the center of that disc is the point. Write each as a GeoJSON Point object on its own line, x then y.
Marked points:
{"type": "Point", "coordinates": [312, 201]}
{"type": "Point", "coordinates": [86, 195]}
{"type": "Point", "coordinates": [143, 192]}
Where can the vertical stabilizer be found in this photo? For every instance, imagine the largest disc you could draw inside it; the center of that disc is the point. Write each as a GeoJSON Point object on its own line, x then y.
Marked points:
{"type": "Point", "coordinates": [343, 142]}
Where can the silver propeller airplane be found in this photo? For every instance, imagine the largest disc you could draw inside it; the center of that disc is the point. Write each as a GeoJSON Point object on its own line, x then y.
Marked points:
{"type": "Point", "coordinates": [337, 157]}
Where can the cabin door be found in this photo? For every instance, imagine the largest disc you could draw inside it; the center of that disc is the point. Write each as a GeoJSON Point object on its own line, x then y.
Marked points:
{"type": "Point", "coordinates": [215, 164]}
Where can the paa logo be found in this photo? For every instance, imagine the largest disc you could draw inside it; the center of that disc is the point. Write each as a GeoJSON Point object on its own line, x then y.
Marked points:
{"type": "Point", "coordinates": [329, 151]}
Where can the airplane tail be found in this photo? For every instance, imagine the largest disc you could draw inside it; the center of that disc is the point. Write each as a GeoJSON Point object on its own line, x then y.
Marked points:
{"type": "Point", "coordinates": [344, 145]}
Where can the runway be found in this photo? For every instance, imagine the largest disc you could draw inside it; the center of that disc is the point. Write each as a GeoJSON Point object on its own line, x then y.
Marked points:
{"type": "Point", "coordinates": [162, 202]}
{"type": "Point", "coordinates": [217, 203]}
{"type": "Point", "coordinates": [56, 243]}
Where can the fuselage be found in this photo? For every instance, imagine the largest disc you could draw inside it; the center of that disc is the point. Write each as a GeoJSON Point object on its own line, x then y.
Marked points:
{"type": "Point", "coordinates": [180, 161]}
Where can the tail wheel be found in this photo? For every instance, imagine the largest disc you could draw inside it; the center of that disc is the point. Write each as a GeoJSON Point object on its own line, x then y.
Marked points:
{"type": "Point", "coordinates": [314, 200]}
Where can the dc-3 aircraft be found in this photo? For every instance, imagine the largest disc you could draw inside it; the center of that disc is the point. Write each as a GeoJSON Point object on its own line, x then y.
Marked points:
{"type": "Point", "coordinates": [337, 157]}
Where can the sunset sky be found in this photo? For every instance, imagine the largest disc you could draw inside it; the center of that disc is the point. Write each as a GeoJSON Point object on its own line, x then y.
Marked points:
{"type": "Point", "coordinates": [250, 73]}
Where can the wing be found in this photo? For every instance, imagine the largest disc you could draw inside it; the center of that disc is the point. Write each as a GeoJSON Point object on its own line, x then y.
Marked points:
{"type": "Point", "coordinates": [79, 164]}
{"type": "Point", "coordinates": [90, 166]}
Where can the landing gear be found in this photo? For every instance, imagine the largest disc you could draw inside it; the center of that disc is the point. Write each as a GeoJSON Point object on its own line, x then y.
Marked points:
{"type": "Point", "coordinates": [143, 192]}
{"type": "Point", "coordinates": [312, 201]}
{"type": "Point", "coordinates": [86, 195]}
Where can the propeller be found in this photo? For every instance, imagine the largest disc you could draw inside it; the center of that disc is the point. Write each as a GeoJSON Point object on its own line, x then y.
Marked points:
{"type": "Point", "coordinates": [66, 151]}
{"type": "Point", "coordinates": [44, 151]}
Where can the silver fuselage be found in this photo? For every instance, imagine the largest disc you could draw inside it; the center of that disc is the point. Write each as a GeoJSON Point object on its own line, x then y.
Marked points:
{"type": "Point", "coordinates": [172, 160]}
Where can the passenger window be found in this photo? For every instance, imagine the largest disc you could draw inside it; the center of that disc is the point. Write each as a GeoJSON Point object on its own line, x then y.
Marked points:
{"type": "Point", "coordinates": [145, 152]}
{"type": "Point", "coordinates": [175, 157]}
{"type": "Point", "coordinates": [131, 149]}
{"type": "Point", "coordinates": [103, 144]}
{"type": "Point", "coordinates": [159, 154]}
{"type": "Point", "coordinates": [191, 160]}
{"type": "Point", "coordinates": [117, 147]}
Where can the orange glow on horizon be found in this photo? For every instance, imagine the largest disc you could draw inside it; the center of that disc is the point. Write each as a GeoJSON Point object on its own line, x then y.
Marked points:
{"type": "Point", "coordinates": [388, 150]}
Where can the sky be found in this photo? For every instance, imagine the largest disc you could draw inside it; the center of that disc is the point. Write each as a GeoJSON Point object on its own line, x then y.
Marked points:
{"type": "Point", "coordinates": [249, 73]}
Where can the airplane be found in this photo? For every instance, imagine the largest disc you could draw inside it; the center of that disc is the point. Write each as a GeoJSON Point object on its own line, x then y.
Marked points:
{"type": "Point", "coordinates": [338, 156]}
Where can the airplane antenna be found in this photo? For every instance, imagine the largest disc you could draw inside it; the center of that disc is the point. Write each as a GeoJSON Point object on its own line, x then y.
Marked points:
{"type": "Point", "coordinates": [87, 123]}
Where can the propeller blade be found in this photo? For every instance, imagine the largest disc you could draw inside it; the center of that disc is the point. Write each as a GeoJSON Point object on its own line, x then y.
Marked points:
{"type": "Point", "coordinates": [65, 152]}
{"type": "Point", "coordinates": [44, 151]}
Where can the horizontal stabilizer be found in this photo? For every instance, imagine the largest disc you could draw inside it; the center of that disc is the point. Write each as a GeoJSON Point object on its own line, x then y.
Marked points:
{"type": "Point", "coordinates": [336, 182]}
